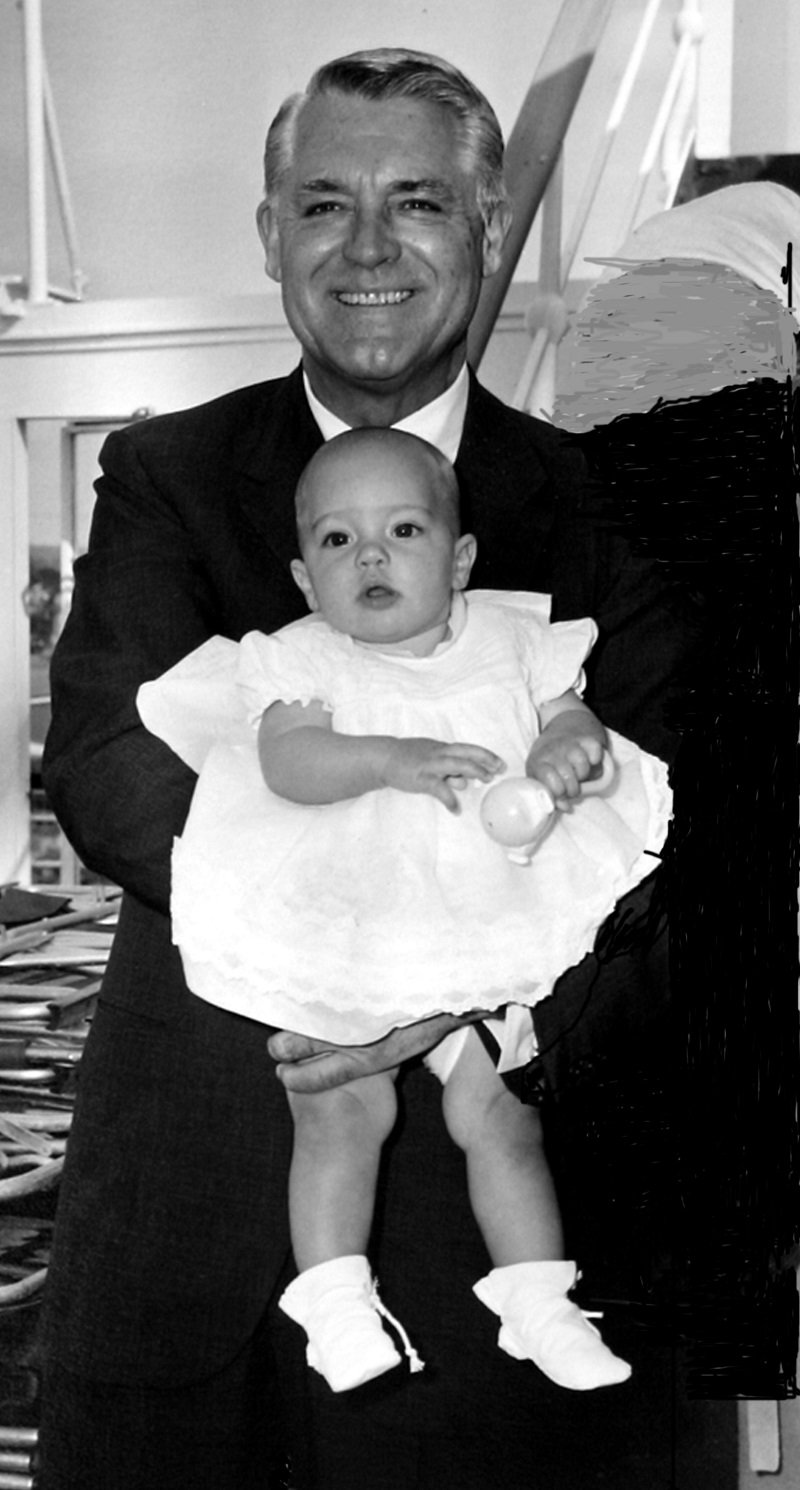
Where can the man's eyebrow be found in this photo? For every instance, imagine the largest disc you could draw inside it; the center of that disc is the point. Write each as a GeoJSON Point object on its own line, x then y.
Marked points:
{"type": "Point", "coordinates": [433, 184]}
{"type": "Point", "coordinates": [425, 183]}
{"type": "Point", "coordinates": [322, 184]}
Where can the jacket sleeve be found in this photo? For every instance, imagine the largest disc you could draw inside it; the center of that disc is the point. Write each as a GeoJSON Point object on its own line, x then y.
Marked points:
{"type": "Point", "coordinates": [648, 625]}
{"type": "Point", "coordinates": [141, 600]}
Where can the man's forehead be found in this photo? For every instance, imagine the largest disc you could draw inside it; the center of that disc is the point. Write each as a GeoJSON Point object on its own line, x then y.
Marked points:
{"type": "Point", "coordinates": [413, 138]}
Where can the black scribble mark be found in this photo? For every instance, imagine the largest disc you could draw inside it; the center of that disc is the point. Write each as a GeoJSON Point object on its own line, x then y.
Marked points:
{"type": "Point", "coordinates": [694, 459]}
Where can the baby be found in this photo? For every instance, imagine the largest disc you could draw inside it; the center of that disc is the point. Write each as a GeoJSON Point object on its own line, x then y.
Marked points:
{"type": "Point", "coordinates": [334, 877]}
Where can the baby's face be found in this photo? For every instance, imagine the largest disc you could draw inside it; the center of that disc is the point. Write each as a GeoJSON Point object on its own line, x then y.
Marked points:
{"type": "Point", "coordinates": [380, 558]}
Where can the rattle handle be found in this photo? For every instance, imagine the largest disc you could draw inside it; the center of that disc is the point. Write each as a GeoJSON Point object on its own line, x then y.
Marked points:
{"type": "Point", "coordinates": [599, 783]}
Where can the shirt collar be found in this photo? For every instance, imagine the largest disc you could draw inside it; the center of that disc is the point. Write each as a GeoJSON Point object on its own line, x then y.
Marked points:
{"type": "Point", "coordinates": [441, 422]}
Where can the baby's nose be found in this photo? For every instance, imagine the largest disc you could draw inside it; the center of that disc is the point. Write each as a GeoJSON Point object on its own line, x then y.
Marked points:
{"type": "Point", "coordinates": [371, 552]}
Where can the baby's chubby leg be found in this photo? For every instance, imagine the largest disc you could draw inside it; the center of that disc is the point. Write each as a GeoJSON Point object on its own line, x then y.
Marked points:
{"type": "Point", "coordinates": [510, 1186]}
{"type": "Point", "coordinates": [515, 1205]}
{"type": "Point", "coordinates": [338, 1136]}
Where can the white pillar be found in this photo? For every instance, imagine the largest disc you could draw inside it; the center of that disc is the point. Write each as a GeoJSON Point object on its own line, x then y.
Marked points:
{"type": "Point", "coordinates": [14, 658]}
{"type": "Point", "coordinates": [35, 135]}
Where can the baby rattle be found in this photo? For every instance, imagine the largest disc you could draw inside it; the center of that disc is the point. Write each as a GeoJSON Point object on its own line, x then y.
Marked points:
{"type": "Point", "coordinates": [519, 811]}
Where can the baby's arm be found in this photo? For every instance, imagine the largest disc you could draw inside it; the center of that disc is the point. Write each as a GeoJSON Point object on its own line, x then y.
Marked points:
{"type": "Point", "coordinates": [304, 759]}
{"type": "Point", "coordinates": [569, 748]}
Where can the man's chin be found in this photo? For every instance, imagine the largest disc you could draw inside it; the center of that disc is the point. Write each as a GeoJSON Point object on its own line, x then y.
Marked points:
{"type": "Point", "coordinates": [378, 372]}
{"type": "Point", "coordinates": [390, 379]}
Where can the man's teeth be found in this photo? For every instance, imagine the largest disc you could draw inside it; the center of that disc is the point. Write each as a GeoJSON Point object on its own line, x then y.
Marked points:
{"type": "Point", "coordinates": [373, 297]}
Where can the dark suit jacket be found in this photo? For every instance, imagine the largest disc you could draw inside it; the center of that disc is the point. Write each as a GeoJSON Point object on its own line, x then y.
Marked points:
{"type": "Point", "coordinates": [172, 1231]}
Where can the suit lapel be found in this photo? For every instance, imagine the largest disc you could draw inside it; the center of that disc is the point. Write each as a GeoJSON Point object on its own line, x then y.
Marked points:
{"type": "Point", "coordinates": [507, 497]}
{"type": "Point", "coordinates": [506, 494]}
{"type": "Point", "coordinates": [269, 462]}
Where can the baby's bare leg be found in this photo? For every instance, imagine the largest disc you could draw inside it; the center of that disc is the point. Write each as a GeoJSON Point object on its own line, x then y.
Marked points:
{"type": "Point", "coordinates": [338, 1136]}
{"type": "Point", "coordinates": [515, 1205]}
{"type": "Point", "coordinates": [510, 1186]}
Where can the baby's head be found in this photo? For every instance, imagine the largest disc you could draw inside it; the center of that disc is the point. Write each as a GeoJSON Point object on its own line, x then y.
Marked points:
{"type": "Point", "coordinates": [378, 523]}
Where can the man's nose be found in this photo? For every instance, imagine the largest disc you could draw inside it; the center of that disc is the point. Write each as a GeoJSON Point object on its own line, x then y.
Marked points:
{"type": "Point", "coordinates": [371, 239]}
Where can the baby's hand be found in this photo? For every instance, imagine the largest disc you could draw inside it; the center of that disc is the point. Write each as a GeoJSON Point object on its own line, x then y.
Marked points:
{"type": "Point", "coordinates": [561, 761]}
{"type": "Point", "coordinates": [439, 769]}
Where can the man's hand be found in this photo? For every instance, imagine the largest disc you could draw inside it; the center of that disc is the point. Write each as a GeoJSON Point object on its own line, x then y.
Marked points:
{"type": "Point", "coordinates": [308, 1065]}
{"type": "Point", "coordinates": [438, 768]}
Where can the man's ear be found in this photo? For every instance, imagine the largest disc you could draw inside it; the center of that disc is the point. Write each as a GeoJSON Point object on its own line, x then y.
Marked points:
{"type": "Point", "coordinates": [301, 579]}
{"type": "Point", "coordinates": [495, 232]}
{"type": "Point", "coordinates": [267, 223]}
{"type": "Point", "coordinates": [463, 560]}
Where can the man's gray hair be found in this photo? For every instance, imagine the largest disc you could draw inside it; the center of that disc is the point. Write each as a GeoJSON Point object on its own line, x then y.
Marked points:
{"type": "Point", "coordinates": [396, 72]}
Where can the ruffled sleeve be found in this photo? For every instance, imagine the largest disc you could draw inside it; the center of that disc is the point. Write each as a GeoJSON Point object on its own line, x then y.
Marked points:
{"type": "Point", "coordinates": [294, 665]}
{"type": "Point", "coordinates": [555, 657]}
{"type": "Point", "coordinates": [196, 703]}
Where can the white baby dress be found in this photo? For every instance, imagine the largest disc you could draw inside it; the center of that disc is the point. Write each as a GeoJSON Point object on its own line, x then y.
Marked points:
{"type": "Point", "coordinates": [345, 920]}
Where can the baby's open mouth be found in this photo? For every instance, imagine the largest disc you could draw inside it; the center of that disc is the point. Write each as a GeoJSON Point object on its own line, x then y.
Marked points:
{"type": "Point", "coordinates": [377, 593]}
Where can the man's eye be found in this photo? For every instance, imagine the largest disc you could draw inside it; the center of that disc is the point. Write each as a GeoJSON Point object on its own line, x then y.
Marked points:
{"type": "Point", "coordinates": [320, 209]}
{"type": "Point", "coordinates": [419, 204]}
{"type": "Point", "coordinates": [406, 530]}
{"type": "Point", "coordinates": [335, 540]}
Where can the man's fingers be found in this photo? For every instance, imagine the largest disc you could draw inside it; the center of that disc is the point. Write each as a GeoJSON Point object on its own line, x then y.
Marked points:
{"type": "Point", "coordinates": [286, 1045]}
{"type": "Point", "coordinates": [306, 1065]}
{"type": "Point", "coordinates": [332, 1068]}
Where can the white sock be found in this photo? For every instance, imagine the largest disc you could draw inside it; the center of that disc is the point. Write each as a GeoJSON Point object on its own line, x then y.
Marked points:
{"type": "Point", "coordinates": [540, 1324]}
{"type": "Point", "coordinates": [338, 1306]}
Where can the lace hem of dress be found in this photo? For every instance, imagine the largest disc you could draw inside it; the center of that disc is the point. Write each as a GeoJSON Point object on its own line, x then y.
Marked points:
{"type": "Point", "coordinates": [280, 986]}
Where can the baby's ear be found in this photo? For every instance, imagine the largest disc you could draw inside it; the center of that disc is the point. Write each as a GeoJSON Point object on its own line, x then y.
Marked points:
{"type": "Point", "coordinates": [301, 579]}
{"type": "Point", "coordinates": [463, 559]}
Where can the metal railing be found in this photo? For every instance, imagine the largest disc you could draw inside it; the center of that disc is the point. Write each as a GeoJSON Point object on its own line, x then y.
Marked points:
{"type": "Point", "coordinates": [43, 141]}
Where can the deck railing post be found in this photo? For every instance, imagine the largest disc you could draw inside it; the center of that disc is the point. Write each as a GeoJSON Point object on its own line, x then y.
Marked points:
{"type": "Point", "coordinates": [35, 136]}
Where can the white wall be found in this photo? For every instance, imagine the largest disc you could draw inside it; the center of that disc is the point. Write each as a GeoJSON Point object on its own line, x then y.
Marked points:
{"type": "Point", "coordinates": [748, 103]}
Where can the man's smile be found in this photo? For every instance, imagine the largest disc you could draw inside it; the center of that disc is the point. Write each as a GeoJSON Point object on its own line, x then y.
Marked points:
{"type": "Point", "coordinates": [373, 297]}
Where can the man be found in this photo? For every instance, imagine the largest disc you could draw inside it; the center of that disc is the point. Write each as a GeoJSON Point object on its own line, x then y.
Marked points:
{"type": "Point", "coordinates": [166, 1362]}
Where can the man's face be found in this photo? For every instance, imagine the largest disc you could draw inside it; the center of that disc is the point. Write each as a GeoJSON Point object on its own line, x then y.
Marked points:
{"type": "Point", "coordinates": [380, 558]}
{"type": "Point", "coordinates": [380, 249]}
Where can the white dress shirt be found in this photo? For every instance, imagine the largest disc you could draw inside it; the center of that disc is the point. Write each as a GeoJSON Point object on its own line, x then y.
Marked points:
{"type": "Point", "coordinates": [441, 422]}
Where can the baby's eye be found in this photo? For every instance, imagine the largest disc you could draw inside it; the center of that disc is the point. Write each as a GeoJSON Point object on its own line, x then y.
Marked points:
{"type": "Point", "coordinates": [406, 530]}
{"type": "Point", "coordinates": [335, 540]}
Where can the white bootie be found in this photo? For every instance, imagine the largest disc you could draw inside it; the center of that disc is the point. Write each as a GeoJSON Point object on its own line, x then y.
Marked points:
{"type": "Point", "coordinates": [540, 1324]}
{"type": "Point", "coordinates": [338, 1306]}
